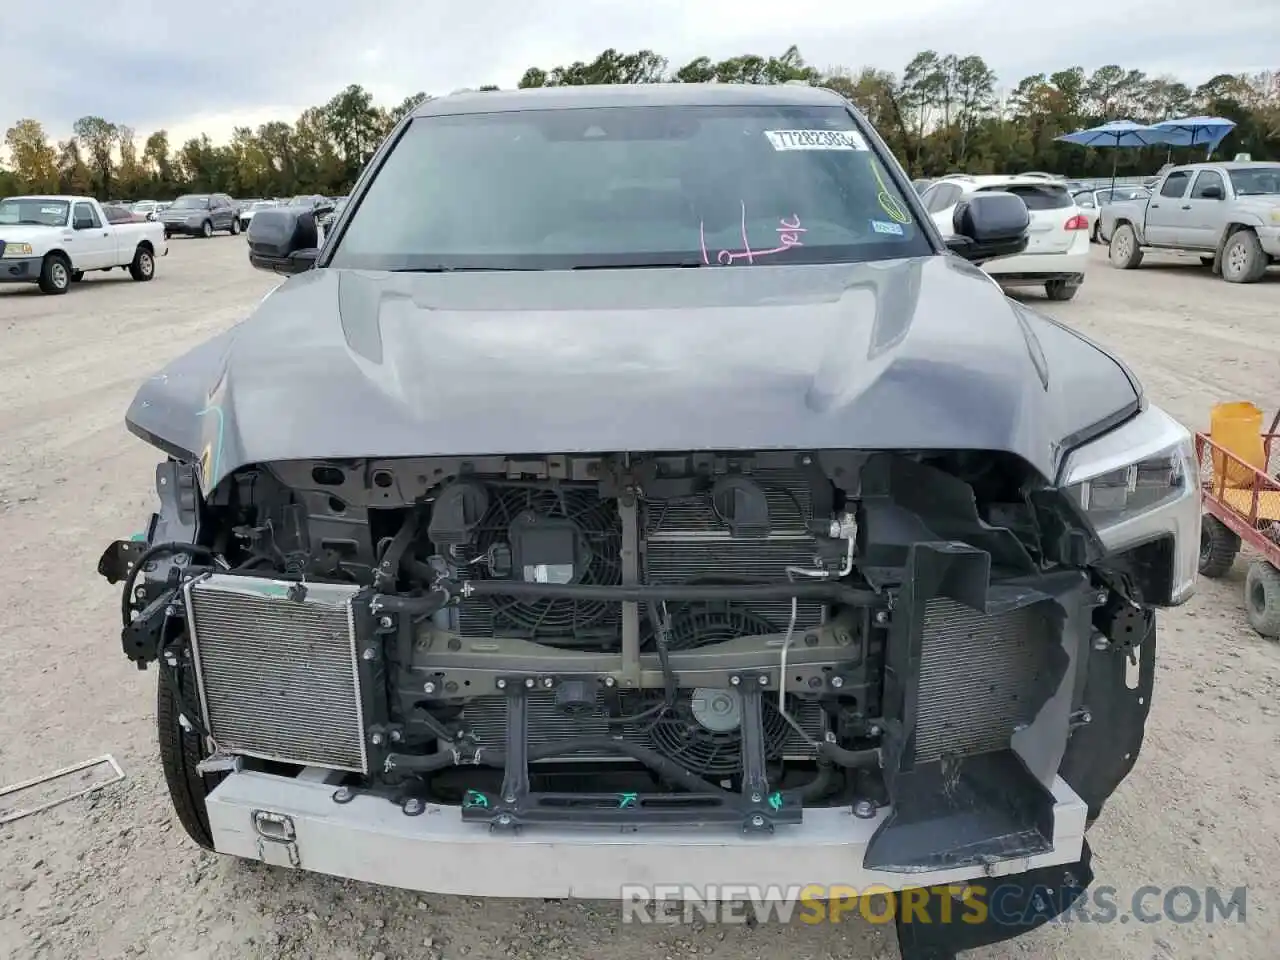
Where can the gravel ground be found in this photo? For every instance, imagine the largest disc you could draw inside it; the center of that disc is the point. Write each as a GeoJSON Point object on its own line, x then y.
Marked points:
{"type": "Point", "coordinates": [114, 876]}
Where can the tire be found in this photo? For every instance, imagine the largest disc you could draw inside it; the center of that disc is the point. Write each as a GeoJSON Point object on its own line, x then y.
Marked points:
{"type": "Point", "coordinates": [1060, 290]}
{"type": "Point", "coordinates": [1124, 252]}
{"type": "Point", "coordinates": [55, 274]}
{"type": "Point", "coordinates": [1243, 260]}
{"type": "Point", "coordinates": [235, 227]}
{"type": "Point", "coordinates": [1262, 598]}
{"type": "Point", "coordinates": [77, 276]}
{"type": "Point", "coordinates": [143, 267]}
{"type": "Point", "coordinates": [206, 229]}
{"type": "Point", "coordinates": [1218, 547]}
{"type": "Point", "coordinates": [180, 751]}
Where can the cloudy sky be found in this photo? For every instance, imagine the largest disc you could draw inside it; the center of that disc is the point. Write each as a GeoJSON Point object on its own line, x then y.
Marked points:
{"type": "Point", "coordinates": [193, 67]}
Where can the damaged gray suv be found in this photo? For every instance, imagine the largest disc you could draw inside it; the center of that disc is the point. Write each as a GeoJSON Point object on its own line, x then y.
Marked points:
{"type": "Point", "coordinates": [635, 486]}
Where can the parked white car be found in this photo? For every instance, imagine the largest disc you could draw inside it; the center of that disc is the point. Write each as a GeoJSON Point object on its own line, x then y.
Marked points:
{"type": "Point", "coordinates": [53, 241]}
{"type": "Point", "coordinates": [1091, 203]}
{"type": "Point", "coordinates": [1058, 250]}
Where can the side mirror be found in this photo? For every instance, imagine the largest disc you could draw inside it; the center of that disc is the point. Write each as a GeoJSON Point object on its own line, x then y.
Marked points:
{"type": "Point", "coordinates": [989, 225]}
{"type": "Point", "coordinates": [82, 223]}
{"type": "Point", "coordinates": [1211, 193]}
{"type": "Point", "coordinates": [285, 240]}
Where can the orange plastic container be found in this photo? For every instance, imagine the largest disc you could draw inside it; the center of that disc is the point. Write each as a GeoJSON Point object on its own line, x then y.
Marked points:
{"type": "Point", "coordinates": [1237, 428]}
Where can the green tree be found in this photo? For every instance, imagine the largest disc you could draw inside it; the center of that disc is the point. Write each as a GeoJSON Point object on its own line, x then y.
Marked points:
{"type": "Point", "coordinates": [35, 162]}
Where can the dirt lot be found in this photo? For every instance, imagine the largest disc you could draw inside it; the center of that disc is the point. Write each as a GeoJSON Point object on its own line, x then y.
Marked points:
{"type": "Point", "coordinates": [115, 877]}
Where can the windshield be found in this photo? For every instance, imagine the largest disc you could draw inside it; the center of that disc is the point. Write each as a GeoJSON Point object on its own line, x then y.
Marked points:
{"type": "Point", "coordinates": [303, 202]}
{"type": "Point", "coordinates": [1263, 181]}
{"type": "Point", "coordinates": [261, 205]}
{"type": "Point", "coordinates": [33, 212]}
{"type": "Point", "coordinates": [630, 186]}
{"type": "Point", "coordinates": [191, 203]}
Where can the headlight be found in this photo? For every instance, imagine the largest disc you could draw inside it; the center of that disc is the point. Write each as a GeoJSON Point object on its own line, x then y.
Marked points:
{"type": "Point", "coordinates": [17, 249]}
{"type": "Point", "coordinates": [1275, 216]}
{"type": "Point", "coordinates": [1139, 483]}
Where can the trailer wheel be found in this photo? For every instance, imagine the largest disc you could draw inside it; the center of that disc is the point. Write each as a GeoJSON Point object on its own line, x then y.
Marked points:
{"type": "Point", "coordinates": [1262, 598]}
{"type": "Point", "coordinates": [1218, 547]}
{"type": "Point", "coordinates": [180, 750]}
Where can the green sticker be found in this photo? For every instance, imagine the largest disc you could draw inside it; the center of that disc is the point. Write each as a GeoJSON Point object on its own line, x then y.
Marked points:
{"type": "Point", "coordinates": [626, 800]}
{"type": "Point", "coordinates": [474, 798]}
{"type": "Point", "coordinates": [775, 801]}
{"type": "Point", "coordinates": [138, 537]}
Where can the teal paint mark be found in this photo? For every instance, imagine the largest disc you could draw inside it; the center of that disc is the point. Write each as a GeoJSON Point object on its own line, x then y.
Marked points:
{"type": "Point", "coordinates": [474, 798]}
{"type": "Point", "coordinates": [626, 800]}
{"type": "Point", "coordinates": [138, 537]}
{"type": "Point", "coordinates": [775, 800]}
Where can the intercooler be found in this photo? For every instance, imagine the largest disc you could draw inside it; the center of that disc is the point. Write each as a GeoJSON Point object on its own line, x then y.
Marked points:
{"type": "Point", "coordinates": [978, 677]}
{"type": "Point", "coordinates": [277, 674]}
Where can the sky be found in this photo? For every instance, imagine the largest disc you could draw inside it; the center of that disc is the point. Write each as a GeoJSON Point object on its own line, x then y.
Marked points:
{"type": "Point", "coordinates": [193, 68]}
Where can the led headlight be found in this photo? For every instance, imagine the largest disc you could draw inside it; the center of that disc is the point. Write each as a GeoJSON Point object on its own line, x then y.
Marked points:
{"type": "Point", "coordinates": [17, 249]}
{"type": "Point", "coordinates": [1139, 483]}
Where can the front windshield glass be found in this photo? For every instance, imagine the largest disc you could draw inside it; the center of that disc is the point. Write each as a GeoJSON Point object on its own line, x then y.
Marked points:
{"type": "Point", "coordinates": [1262, 181]}
{"type": "Point", "coordinates": [631, 186]}
{"type": "Point", "coordinates": [33, 212]}
{"type": "Point", "coordinates": [261, 205]}
{"type": "Point", "coordinates": [191, 203]}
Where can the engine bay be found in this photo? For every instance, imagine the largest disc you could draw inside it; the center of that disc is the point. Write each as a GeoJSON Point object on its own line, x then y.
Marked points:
{"type": "Point", "coordinates": [619, 638]}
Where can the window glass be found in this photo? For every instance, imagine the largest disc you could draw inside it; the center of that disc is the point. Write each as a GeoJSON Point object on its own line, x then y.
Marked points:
{"type": "Point", "coordinates": [1175, 185]}
{"type": "Point", "coordinates": [85, 210]}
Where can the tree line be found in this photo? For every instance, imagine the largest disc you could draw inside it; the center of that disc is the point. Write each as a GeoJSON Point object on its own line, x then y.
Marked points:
{"type": "Point", "coordinates": [943, 112]}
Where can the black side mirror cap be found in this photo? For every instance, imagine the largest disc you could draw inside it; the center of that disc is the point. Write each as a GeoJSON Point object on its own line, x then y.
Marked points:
{"type": "Point", "coordinates": [284, 240]}
{"type": "Point", "coordinates": [989, 225]}
{"type": "Point", "coordinates": [1211, 193]}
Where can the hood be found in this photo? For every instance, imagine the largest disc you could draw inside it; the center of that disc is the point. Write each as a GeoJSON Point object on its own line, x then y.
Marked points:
{"type": "Point", "coordinates": [910, 354]}
{"type": "Point", "coordinates": [1263, 202]}
{"type": "Point", "coordinates": [25, 233]}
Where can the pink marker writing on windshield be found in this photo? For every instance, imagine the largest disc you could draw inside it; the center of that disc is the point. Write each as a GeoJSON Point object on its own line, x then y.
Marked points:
{"type": "Point", "coordinates": [789, 235]}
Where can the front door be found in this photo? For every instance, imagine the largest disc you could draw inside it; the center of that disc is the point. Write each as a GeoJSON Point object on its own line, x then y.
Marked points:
{"type": "Point", "coordinates": [1203, 215]}
{"type": "Point", "coordinates": [92, 244]}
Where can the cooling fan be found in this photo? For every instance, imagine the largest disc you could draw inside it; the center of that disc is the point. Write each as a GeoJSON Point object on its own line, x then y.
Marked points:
{"type": "Point", "coordinates": [549, 535]}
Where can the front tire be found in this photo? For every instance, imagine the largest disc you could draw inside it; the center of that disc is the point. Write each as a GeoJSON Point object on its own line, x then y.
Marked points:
{"type": "Point", "coordinates": [143, 267]}
{"type": "Point", "coordinates": [1243, 259]}
{"type": "Point", "coordinates": [55, 274]}
{"type": "Point", "coordinates": [235, 228]}
{"type": "Point", "coordinates": [1060, 290]}
{"type": "Point", "coordinates": [180, 751]}
{"type": "Point", "coordinates": [206, 229]}
{"type": "Point", "coordinates": [1124, 251]}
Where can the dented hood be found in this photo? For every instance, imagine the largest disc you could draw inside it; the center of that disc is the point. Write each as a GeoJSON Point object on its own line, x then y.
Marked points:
{"type": "Point", "coordinates": [910, 354]}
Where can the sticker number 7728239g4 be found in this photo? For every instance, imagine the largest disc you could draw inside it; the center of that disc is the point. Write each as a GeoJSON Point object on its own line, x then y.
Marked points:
{"type": "Point", "coordinates": [816, 139]}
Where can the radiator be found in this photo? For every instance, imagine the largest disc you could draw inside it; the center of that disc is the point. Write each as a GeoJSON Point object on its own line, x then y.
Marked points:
{"type": "Point", "coordinates": [278, 677]}
{"type": "Point", "coordinates": [978, 675]}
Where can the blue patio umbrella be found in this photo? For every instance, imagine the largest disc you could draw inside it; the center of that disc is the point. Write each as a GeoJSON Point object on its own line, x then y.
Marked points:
{"type": "Point", "coordinates": [1196, 131]}
{"type": "Point", "coordinates": [1117, 133]}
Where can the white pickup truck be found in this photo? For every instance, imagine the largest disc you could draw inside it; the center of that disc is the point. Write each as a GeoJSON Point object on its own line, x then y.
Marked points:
{"type": "Point", "coordinates": [53, 241]}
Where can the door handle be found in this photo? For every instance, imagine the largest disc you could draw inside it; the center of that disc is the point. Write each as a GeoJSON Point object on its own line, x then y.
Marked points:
{"type": "Point", "coordinates": [1155, 206]}
{"type": "Point", "coordinates": [1186, 206]}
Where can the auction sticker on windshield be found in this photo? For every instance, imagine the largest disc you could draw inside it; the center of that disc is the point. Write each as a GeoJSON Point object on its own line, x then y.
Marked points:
{"type": "Point", "coordinates": [816, 139]}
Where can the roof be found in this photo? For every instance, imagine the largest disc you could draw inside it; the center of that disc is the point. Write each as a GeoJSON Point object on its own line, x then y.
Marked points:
{"type": "Point", "coordinates": [627, 95]}
{"type": "Point", "coordinates": [1225, 165]}
{"type": "Point", "coordinates": [63, 197]}
{"type": "Point", "coordinates": [1004, 179]}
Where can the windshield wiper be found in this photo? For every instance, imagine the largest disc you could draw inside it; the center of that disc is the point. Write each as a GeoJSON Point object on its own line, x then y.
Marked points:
{"type": "Point", "coordinates": [438, 268]}
{"type": "Point", "coordinates": [643, 265]}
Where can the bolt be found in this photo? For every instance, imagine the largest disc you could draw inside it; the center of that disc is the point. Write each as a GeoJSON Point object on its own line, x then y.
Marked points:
{"type": "Point", "coordinates": [755, 798]}
{"type": "Point", "coordinates": [342, 795]}
{"type": "Point", "coordinates": [735, 681]}
{"type": "Point", "coordinates": [504, 819]}
{"type": "Point", "coordinates": [1101, 643]}
{"type": "Point", "coordinates": [395, 736]}
{"type": "Point", "coordinates": [874, 730]}
{"type": "Point", "coordinates": [171, 611]}
{"type": "Point", "coordinates": [864, 809]}
{"type": "Point", "coordinates": [815, 683]}
{"type": "Point", "coordinates": [384, 621]}
{"type": "Point", "coordinates": [428, 687]}
{"type": "Point", "coordinates": [757, 821]}
{"type": "Point", "coordinates": [764, 681]}
{"type": "Point", "coordinates": [509, 798]}
{"type": "Point", "coordinates": [837, 682]}
{"type": "Point", "coordinates": [1086, 716]}
{"type": "Point", "coordinates": [882, 617]}
{"type": "Point", "coordinates": [806, 460]}
{"type": "Point", "coordinates": [140, 593]}
{"type": "Point", "coordinates": [609, 681]}
{"type": "Point", "coordinates": [377, 739]}
{"type": "Point", "coordinates": [528, 682]}
{"type": "Point", "coordinates": [829, 736]}
{"type": "Point", "coordinates": [413, 806]}
{"type": "Point", "coordinates": [810, 639]}
{"type": "Point", "coordinates": [548, 682]}
{"type": "Point", "coordinates": [502, 684]}
{"type": "Point", "coordinates": [1102, 596]}
{"type": "Point", "coordinates": [451, 687]}
{"type": "Point", "coordinates": [368, 654]}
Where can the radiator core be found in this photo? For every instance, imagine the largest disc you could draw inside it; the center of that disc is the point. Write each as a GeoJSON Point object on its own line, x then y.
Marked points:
{"type": "Point", "coordinates": [278, 677]}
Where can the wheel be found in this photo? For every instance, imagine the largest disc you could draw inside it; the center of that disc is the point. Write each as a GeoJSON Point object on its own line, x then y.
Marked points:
{"type": "Point", "coordinates": [55, 274]}
{"type": "Point", "coordinates": [1060, 289]}
{"type": "Point", "coordinates": [1262, 598]}
{"type": "Point", "coordinates": [1218, 547]}
{"type": "Point", "coordinates": [1243, 260]}
{"type": "Point", "coordinates": [168, 235]}
{"type": "Point", "coordinates": [143, 267]}
{"type": "Point", "coordinates": [180, 751]}
{"type": "Point", "coordinates": [206, 229]}
{"type": "Point", "coordinates": [1124, 251]}
{"type": "Point", "coordinates": [77, 276]}
{"type": "Point", "coordinates": [235, 228]}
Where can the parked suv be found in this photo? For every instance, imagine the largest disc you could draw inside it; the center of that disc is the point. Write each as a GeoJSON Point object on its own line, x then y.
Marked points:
{"type": "Point", "coordinates": [200, 214]}
{"type": "Point", "coordinates": [1058, 249]}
